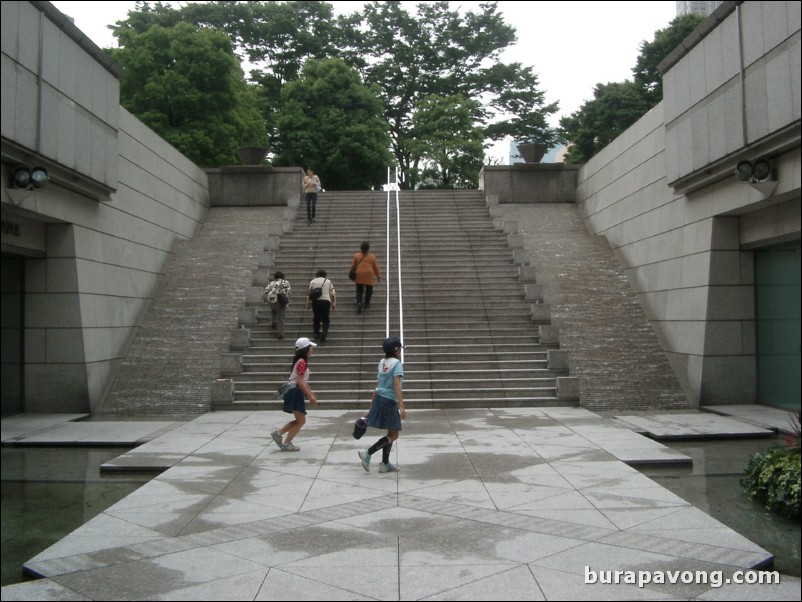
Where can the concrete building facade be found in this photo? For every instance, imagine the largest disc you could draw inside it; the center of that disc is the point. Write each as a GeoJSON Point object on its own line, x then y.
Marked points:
{"type": "Point", "coordinates": [83, 256]}
{"type": "Point", "coordinates": [715, 258]}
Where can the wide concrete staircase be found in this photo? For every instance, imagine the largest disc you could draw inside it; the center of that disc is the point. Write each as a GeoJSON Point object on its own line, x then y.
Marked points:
{"type": "Point", "coordinates": [475, 329]}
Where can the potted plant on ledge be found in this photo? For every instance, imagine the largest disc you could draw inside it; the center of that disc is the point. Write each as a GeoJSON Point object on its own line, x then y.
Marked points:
{"type": "Point", "coordinates": [252, 154]}
{"type": "Point", "coordinates": [532, 152]}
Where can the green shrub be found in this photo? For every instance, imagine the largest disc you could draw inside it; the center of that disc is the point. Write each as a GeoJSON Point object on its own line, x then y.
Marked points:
{"type": "Point", "coordinates": [772, 478]}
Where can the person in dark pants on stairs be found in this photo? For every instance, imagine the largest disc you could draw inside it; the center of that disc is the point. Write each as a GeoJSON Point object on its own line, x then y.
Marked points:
{"type": "Point", "coordinates": [366, 268]}
{"type": "Point", "coordinates": [387, 408]}
{"type": "Point", "coordinates": [295, 397]}
{"type": "Point", "coordinates": [277, 294]}
{"type": "Point", "coordinates": [311, 185]}
{"type": "Point", "coordinates": [323, 305]}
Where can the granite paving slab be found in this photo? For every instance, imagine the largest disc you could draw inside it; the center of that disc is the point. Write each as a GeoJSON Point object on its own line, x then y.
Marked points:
{"type": "Point", "coordinates": [98, 433]}
{"type": "Point", "coordinates": [694, 426]}
{"type": "Point", "coordinates": [771, 418]}
{"type": "Point", "coordinates": [466, 517]}
{"type": "Point", "coordinates": [24, 425]}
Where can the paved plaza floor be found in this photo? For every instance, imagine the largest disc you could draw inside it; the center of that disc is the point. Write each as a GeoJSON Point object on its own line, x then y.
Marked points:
{"type": "Point", "coordinates": [489, 504]}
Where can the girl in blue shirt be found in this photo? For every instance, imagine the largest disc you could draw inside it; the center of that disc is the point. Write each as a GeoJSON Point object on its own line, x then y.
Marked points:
{"type": "Point", "coordinates": [387, 409]}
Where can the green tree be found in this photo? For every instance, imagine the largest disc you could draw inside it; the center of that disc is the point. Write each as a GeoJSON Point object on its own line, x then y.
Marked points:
{"type": "Point", "coordinates": [652, 53]}
{"type": "Point", "coordinates": [448, 142]}
{"type": "Point", "coordinates": [187, 85]}
{"type": "Point", "coordinates": [438, 51]}
{"type": "Point", "coordinates": [617, 105]}
{"type": "Point", "coordinates": [330, 121]}
{"type": "Point", "coordinates": [445, 53]}
{"type": "Point", "coordinates": [275, 37]}
{"type": "Point", "coordinates": [144, 16]}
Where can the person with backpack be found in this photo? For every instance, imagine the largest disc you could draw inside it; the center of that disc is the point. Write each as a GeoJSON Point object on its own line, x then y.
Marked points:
{"type": "Point", "coordinates": [387, 408]}
{"type": "Point", "coordinates": [322, 300]}
{"type": "Point", "coordinates": [364, 268]}
{"type": "Point", "coordinates": [277, 293]}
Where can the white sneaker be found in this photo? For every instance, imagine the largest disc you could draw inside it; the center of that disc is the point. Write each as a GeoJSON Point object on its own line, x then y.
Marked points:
{"type": "Point", "coordinates": [365, 457]}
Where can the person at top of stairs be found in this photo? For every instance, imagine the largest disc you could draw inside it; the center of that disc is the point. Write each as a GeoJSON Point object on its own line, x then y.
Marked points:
{"type": "Point", "coordinates": [365, 268]}
{"type": "Point", "coordinates": [311, 185]}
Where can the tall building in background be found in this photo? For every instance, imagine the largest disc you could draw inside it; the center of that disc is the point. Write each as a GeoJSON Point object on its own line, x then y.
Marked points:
{"type": "Point", "coordinates": [686, 7]}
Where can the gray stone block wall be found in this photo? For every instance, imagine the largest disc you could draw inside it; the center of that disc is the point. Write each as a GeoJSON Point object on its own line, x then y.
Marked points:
{"type": "Point", "coordinates": [530, 182]}
{"type": "Point", "coordinates": [613, 349]}
{"type": "Point", "coordinates": [253, 185]}
{"type": "Point", "coordinates": [175, 356]}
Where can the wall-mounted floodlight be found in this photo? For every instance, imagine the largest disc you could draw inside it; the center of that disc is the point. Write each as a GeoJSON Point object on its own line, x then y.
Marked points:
{"type": "Point", "coordinates": [762, 170]}
{"type": "Point", "coordinates": [753, 171]}
{"type": "Point", "coordinates": [21, 177]}
{"type": "Point", "coordinates": [744, 171]}
{"type": "Point", "coordinates": [28, 179]}
{"type": "Point", "coordinates": [39, 177]}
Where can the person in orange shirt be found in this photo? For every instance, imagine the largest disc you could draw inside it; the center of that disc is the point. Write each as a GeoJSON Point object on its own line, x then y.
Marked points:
{"type": "Point", "coordinates": [366, 268]}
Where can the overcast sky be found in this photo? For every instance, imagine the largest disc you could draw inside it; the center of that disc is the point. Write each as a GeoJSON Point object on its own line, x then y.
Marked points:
{"type": "Point", "coordinates": [572, 46]}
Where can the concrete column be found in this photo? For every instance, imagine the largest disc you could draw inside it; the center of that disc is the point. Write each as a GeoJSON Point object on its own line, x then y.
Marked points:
{"type": "Point", "coordinates": [522, 256]}
{"type": "Point", "coordinates": [515, 241]}
{"type": "Point", "coordinates": [266, 259]}
{"type": "Point", "coordinates": [549, 335]}
{"type": "Point", "coordinates": [230, 363]}
{"type": "Point", "coordinates": [223, 390]}
{"type": "Point", "coordinates": [526, 273]}
{"type": "Point", "coordinates": [253, 295]}
{"type": "Point", "coordinates": [541, 312]}
{"type": "Point", "coordinates": [557, 360]}
{"type": "Point", "coordinates": [533, 292]}
{"type": "Point", "coordinates": [246, 316]}
{"type": "Point", "coordinates": [262, 276]}
{"type": "Point", "coordinates": [567, 387]}
{"type": "Point", "coordinates": [240, 338]}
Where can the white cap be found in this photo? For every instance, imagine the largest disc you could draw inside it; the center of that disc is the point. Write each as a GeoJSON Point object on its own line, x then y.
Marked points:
{"type": "Point", "coordinates": [303, 343]}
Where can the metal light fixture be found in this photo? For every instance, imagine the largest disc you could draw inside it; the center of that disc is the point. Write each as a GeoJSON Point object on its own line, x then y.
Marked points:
{"type": "Point", "coordinates": [753, 171]}
{"type": "Point", "coordinates": [744, 171]}
{"type": "Point", "coordinates": [761, 170]}
{"type": "Point", "coordinates": [29, 179]}
{"type": "Point", "coordinates": [21, 177]}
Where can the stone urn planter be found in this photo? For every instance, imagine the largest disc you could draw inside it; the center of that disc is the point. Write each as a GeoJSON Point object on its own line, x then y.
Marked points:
{"type": "Point", "coordinates": [532, 152]}
{"type": "Point", "coordinates": [252, 155]}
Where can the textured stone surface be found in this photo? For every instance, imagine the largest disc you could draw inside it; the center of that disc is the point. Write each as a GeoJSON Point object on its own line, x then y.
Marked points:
{"type": "Point", "coordinates": [613, 348]}
{"type": "Point", "coordinates": [175, 357]}
{"type": "Point", "coordinates": [482, 508]}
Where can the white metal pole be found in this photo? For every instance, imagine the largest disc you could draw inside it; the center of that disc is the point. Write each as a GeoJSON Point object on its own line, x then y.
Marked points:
{"type": "Point", "coordinates": [387, 255]}
{"type": "Point", "coordinates": [398, 246]}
